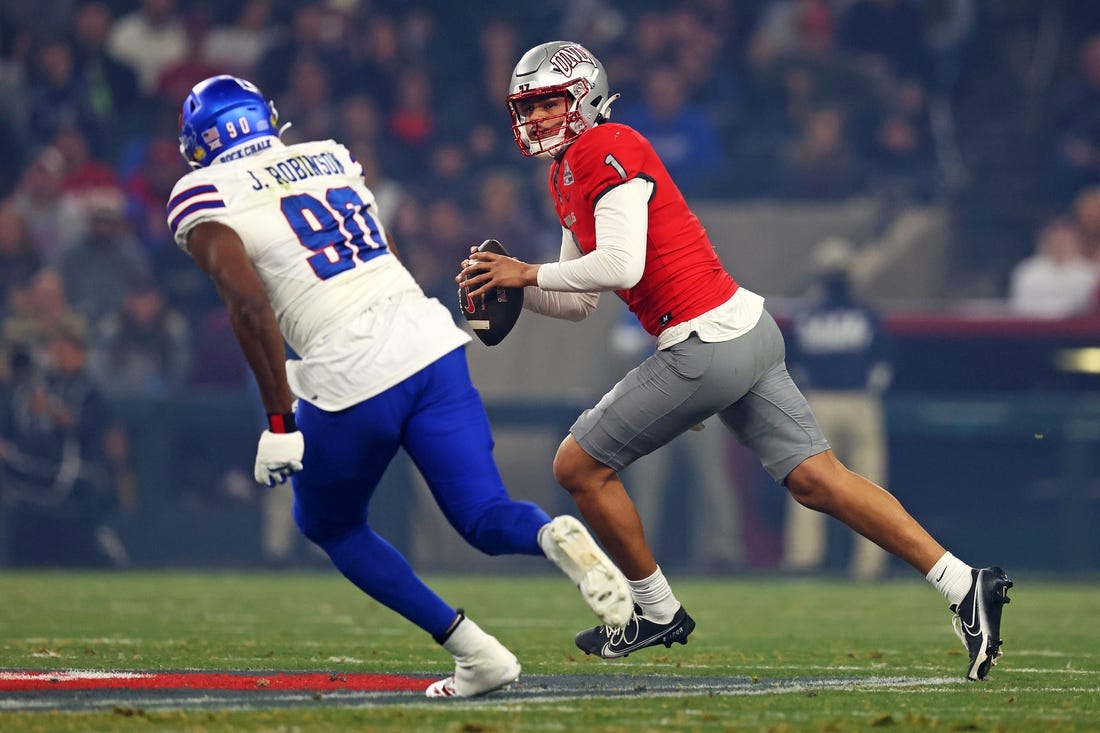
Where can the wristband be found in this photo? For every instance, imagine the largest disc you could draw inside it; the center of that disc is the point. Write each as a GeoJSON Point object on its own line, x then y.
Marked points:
{"type": "Point", "coordinates": [281, 422]}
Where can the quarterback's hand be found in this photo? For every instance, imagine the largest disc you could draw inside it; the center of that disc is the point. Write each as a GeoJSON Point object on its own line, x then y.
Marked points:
{"type": "Point", "coordinates": [483, 271]}
{"type": "Point", "coordinates": [278, 456]}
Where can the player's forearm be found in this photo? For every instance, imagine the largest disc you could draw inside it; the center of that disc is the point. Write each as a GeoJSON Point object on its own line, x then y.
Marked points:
{"type": "Point", "coordinates": [596, 272]}
{"type": "Point", "coordinates": [219, 252]}
{"type": "Point", "coordinates": [557, 304]}
{"type": "Point", "coordinates": [566, 306]}
{"type": "Point", "coordinates": [257, 332]}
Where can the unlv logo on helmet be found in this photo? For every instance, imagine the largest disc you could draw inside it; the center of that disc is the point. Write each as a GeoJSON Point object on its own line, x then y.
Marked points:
{"type": "Point", "coordinates": [569, 58]}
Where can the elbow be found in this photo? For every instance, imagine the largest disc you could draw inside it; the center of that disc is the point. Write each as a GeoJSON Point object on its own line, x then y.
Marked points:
{"type": "Point", "coordinates": [585, 304]}
{"type": "Point", "coordinates": [632, 280]}
{"type": "Point", "coordinates": [576, 316]}
{"type": "Point", "coordinates": [250, 314]}
{"type": "Point", "coordinates": [630, 276]}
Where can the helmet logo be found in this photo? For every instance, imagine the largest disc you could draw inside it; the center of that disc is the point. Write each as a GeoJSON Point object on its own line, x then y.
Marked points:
{"type": "Point", "coordinates": [570, 57]}
{"type": "Point", "coordinates": [212, 139]}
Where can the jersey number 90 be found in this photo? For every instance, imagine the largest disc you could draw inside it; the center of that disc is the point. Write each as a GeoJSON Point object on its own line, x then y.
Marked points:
{"type": "Point", "coordinates": [339, 229]}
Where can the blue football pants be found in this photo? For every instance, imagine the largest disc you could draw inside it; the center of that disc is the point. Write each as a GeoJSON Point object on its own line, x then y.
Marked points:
{"type": "Point", "coordinates": [437, 416]}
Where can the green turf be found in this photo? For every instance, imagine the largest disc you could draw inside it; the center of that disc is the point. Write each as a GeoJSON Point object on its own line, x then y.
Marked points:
{"type": "Point", "coordinates": [1049, 679]}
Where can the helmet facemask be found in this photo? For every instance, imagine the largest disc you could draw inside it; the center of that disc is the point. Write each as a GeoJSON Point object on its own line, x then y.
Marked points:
{"type": "Point", "coordinates": [558, 68]}
{"type": "Point", "coordinates": [552, 143]}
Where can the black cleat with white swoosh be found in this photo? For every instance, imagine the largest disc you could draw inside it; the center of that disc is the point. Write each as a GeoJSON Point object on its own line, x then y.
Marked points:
{"type": "Point", "coordinates": [609, 642]}
{"type": "Point", "coordinates": [977, 619]}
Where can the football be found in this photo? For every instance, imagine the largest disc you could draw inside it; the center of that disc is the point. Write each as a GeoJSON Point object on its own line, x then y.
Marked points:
{"type": "Point", "coordinates": [491, 317]}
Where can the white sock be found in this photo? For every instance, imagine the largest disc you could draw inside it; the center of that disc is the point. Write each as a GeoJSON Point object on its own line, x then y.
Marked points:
{"type": "Point", "coordinates": [466, 639]}
{"type": "Point", "coordinates": [654, 595]}
{"type": "Point", "coordinates": [540, 535]}
{"type": "Point", "coordinates": [951, 577]}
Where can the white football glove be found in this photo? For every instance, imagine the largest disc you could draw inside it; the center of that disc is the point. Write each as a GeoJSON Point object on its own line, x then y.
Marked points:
{"type": "Point", "coordinates": [278, 456]}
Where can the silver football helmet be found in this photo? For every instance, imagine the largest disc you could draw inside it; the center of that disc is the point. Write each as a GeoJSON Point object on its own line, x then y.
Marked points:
{"type": "Point", "coordinates": [558, 67]}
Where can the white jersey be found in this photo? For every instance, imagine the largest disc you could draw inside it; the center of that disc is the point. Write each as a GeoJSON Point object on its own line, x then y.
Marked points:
{"type": "Point", "coordinates": [346, 306]}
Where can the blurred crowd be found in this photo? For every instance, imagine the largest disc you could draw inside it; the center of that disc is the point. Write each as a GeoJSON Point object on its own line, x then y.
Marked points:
{"type": "Point", "coordinates": [805, 99]}
{"type": "Point", "coordinates": [784, 99]}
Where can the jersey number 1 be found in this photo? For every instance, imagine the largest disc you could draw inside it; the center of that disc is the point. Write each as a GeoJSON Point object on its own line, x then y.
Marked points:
{"type": "Point", "coordinates": [338, 229]}
{"type": "Point", "coordinates": [612, 161]}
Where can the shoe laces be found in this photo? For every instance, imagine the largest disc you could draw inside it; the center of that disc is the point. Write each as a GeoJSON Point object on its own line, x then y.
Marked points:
{"type": "Point", "coordinates": [956, 625]}
{"type": "Point", "coordinates": [618, 636]}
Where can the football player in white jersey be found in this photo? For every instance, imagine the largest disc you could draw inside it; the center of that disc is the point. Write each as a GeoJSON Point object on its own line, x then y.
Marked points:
{"type": "Point", "coordinates": [291, 237]}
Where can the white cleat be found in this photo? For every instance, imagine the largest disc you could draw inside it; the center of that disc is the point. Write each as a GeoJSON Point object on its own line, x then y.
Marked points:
{"type": "Point", "coordinates": [487, 670]}
{"type": "Point", "coordinates": [603, 586]}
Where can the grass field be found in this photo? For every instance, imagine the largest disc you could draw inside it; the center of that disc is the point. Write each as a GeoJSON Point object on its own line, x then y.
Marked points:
{"type": "Point", "coordinates": [757, 631]}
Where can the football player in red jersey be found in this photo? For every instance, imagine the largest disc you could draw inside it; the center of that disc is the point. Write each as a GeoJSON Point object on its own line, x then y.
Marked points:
{"type": "Point", "coordinates": [626, 228]}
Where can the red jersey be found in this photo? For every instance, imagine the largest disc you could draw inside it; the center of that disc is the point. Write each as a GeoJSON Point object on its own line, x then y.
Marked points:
{"type": "Point", "coordinates": [683, 277]}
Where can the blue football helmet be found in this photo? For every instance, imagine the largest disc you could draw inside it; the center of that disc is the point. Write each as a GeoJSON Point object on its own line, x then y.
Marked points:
{"type": "Point", "coordinates": [222, 113]}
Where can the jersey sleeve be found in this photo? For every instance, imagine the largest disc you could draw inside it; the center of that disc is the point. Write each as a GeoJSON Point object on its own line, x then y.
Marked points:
{"type": "Point", "coordinates": [611, 155]}
{"type": "Point", "coordinates": [193, 200]}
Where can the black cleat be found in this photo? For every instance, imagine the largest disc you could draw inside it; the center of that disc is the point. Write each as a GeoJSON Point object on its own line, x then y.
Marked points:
{"type": "Point", "coordinates": [640, 632]}
{"type": "Point", "coordinates": [977, 619]}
